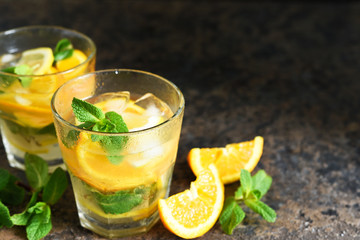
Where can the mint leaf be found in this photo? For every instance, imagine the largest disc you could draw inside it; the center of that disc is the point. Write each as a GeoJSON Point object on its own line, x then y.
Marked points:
{"type": "Point", "coordinates": [113, 145]}
{"type": "Point", "coordinates": [62, 45]}
{"type": "Point", "coordinates": [231, 215]}
{"type": "Point", "coordinates": [37, 208]}
{"type": "Point", "coordinates": [5, 219]}
{"type": "Point", "coordinates": [239, 194]}
{"type": "Point", "coordinates": [86, 112]}
{"type": "Point", "coordinates": [71, 138]}
{"type": "Point", "coordinates": [255, 194]}
{"type": "Point", "coordinates": [55, 187]}
{"type": "Point", "coordinates": [39, 224]}
{"type": "Point", "coordinates": [116, 160]}
{"type": "Point", "coordinates": [246, 182]}
{"type": "Point", "coordinates": [63, 50]}
{"type": "Point", "coordinates": [63, 54]}
{"type": "Point", "coordinates": [118, 121]}
{"type": "Point", "coordinates": [261, 208]}
{"type": "Point", "coordinates": [12, 194]}
{"type": "Point", "coordinates": [6, 80]}
{"type": "Point", "coordinates": [49, 129]}
{"type": "Point", "coordinates": [251, 190]}
{"type": "Point", "coordinates": [21, 219]}
{"type": "Point", "coordinates": [104, 125]}
{"type": "Point", "coordinates": [19, 70]}
{"type": "Point", "coordinates": [24, 70]}
{"type": "Point", "coordinates": [121, 201]}
{"type": "Point", "coordinates": [262, 182]}
{"type": "Point", "coordinates": [111, 122]}
{"type": "Point", "coordinates": [36, 170]}
{"type": "Point", "coordinates": [4, 178]}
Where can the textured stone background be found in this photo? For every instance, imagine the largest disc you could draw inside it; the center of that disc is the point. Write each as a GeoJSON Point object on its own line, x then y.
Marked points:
{"type": "Point", "coordinates": [286, 71]}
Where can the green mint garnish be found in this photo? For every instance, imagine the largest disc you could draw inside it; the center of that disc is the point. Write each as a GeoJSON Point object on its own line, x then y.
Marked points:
{"type": "Point", "coordinates": [36, 170]}
{"type": "Point", "coordinates": [94, 119]}
{"type": "Point", "coordinates": [5, 218]}
{"type": "Point", "coordinates": [36, 217]}
{"type": "Point", "coordinates": [125, 200]}
{"type": "Point", "coordinates": [251, 190]}
{"type": "Point", "coordinates": [119, 202]}
{"type": "Point", "coordinates": [63, 50]}
{"type": "Point", "coordinates": [55, 187]}
{"type": "Point", "coordinates": [11, 193]}
{"type": "Point", "coordinates": [19, 70]}
{"type": "Point", "coordinates": [231, 215]}
{"type": "Point", "coordinates": [86, 112]}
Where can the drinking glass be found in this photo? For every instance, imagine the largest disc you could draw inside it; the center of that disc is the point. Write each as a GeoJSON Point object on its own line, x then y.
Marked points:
{"type": "Point", "coordinates": [117, 190]}
{"type": "Point", "coordinates": [25, 115]}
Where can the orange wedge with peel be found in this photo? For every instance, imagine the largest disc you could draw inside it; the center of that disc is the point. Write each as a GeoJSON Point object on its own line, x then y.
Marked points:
{"type": "Point", "coordinates": [194, 212]}
{"type": "Point", "coordinates": [75, 61]}
{"type": "Point", "coordinates": [229, 160]}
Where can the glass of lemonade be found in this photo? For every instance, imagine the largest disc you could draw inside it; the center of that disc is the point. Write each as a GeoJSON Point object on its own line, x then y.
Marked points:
{"type": "Point", "coordinates": [118, 180]}
{"type": "Point", "coordinates": [30, 72]}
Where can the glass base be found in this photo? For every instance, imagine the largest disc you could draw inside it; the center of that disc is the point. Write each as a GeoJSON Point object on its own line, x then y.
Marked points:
{"type": "Point", "coordinates": [19, 163]}
{"type": "Point", "coordinates": [16, 156]}
{"type": "Point", "coordinates": [116, 227]}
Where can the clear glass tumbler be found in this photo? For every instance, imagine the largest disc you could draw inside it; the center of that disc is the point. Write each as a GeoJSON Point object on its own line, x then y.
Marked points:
{"type": "Point", "coordinates": [25, 115]}
{"type": "Point", "coordinates": [117, 186]}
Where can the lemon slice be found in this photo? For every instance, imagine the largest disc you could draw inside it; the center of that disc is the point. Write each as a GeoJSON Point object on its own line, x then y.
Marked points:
{"type": "Point", "coordinates": [39, 59]}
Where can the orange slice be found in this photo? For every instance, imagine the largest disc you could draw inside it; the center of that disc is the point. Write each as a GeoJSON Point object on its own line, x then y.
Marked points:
{"type": "Point", "coordinates": [94, 167]}
{"type": "Point", "coordinates": [29, 110]}
{"type": "Point", "coordinates": [44, 84]}
{"type": "Point", "coordinates": [194, 212]}
{"type": "Point", "coordinates": [228, 160]}
{"type": "Point", "coordinates": [75, 60]}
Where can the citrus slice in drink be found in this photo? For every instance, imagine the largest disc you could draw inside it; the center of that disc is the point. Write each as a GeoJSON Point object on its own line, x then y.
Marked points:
{"type": "Point", "coordinates": [29, 109]}
{"type": "Point", "coordinates": [39, 59]}
{"type": "Point", "coordinates": [229, 160]}
{"type": "Point", "coordinates": [36, 145]}
{"type": "Point", "coordinates": [77, 58]}
{"type": "Point", "coordinates": [194, 212]}
{"type": "Point", "coordinates": [97, 170]}
{"type": "Point", "coordinates": [44, 84]}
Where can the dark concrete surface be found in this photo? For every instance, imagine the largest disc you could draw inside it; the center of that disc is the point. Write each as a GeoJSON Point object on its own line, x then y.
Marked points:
{"type": "Point", "coordinates": [288, 71]}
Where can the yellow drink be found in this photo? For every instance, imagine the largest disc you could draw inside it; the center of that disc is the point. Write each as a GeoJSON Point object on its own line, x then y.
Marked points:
{"type": "Point", "coordinates": [117, 191]}
{"type": "Point", "coordinates": [26, 118]}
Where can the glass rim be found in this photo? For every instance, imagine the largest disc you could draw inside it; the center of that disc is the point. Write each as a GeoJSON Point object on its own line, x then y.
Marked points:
{"type": "Point", "coordinates": [175, 115]}
{"type": "Point", "coordinates": [88, 39]}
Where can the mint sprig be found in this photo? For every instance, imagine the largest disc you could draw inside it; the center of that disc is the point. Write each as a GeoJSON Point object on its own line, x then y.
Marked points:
{"type": "Point", "coordinates": [118, 202]}
{"type": "Point", "coordinates": [19, 70]}
{"type": "Point", "coordinates": [94, 119]}
{"type": "Point", "coordinates": [124, 200]}
{"type": "Point", "coordinates": [36, 217]}
{"type": "Point", "coordinates": [64, 49]}
{"type": "Point", "coordinates": [250, 192]}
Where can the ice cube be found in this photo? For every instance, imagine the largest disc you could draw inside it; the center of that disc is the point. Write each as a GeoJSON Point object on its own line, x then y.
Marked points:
{"type": "Point", "coordinates": [148, 156]}
{"type": "Point", "coordinates": [9, 59]}
{"type": "Point", "coordinates": [153, 106]}
{"type": "Point", "coordinates": [114, 101]}
{"type": "Point", "coordinates": [22, 101]}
